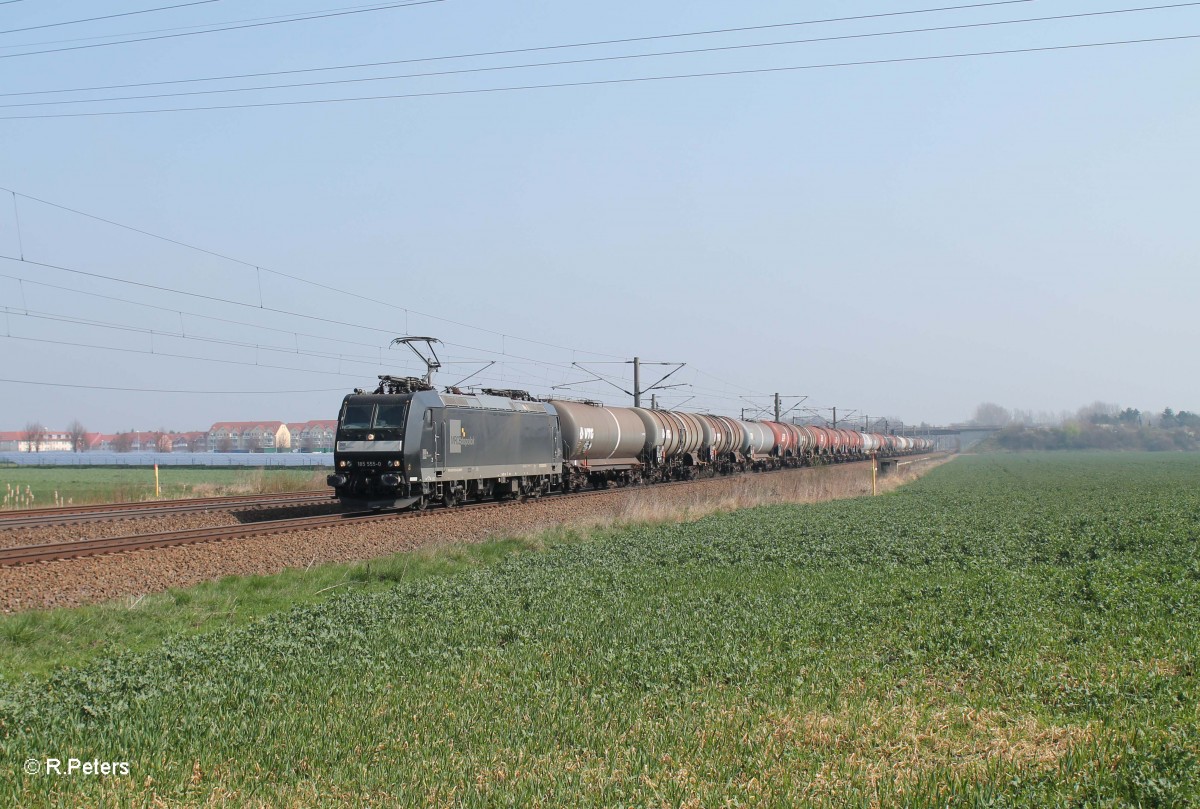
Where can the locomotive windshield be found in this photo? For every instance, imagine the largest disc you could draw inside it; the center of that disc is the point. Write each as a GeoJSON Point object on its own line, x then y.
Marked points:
{"type": "Point", "coordinates": [357, 416]}
{"type": "Point", "coordinates": [367, 415]}
{"type": "Point", "coordinates": [390, 415]}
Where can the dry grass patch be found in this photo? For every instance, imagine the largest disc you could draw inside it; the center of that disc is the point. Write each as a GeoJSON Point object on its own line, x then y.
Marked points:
{"type": "Point", "coordinates": [259, 481]}
{"type": "Point", "coordinates": [749, 491]}
{"type": "Point", "coordinates": [873, 746]}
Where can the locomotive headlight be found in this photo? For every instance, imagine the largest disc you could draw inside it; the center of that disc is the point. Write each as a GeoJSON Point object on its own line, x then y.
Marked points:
{"type": "Point", "coordinates": [343, 463]}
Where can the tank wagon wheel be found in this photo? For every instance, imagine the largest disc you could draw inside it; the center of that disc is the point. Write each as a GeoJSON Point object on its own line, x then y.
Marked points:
{"type": "Point", "coordinates": [451, 499]}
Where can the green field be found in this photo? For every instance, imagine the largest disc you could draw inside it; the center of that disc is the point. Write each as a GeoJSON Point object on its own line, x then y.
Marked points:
{"type": "Point", "coordinates": [1012, 630]}
{"type": "Point", "coordinates": [73, 485]}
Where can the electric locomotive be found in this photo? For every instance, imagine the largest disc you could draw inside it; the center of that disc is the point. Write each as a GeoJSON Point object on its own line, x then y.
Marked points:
{"type": "Point", "coordinates": [407, 445]}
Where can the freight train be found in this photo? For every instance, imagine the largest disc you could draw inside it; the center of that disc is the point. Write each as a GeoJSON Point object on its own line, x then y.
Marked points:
{"type": "Point", "coordinates": [407, 445]}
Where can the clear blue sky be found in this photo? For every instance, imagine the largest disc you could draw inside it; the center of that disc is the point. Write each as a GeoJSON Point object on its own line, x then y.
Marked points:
{"type": "Point", "coordinates": [903, 239]}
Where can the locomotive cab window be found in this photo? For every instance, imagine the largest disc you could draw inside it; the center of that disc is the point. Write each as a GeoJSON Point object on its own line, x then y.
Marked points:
{"type": "Point", "coordinates": [357, 416]}
{"type": "Point", "coordinates": [390, 415]}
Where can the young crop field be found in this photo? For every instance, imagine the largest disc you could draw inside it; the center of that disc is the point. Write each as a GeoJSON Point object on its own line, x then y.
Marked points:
{"type": "Point", "coordinates": [47, 487]}
{"type": "Point", "coordinates": [1014, 630]}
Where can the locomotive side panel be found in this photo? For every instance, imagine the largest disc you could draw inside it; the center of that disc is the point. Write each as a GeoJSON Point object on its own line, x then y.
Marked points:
{"type": "Point", "coordinates": [473, 444]}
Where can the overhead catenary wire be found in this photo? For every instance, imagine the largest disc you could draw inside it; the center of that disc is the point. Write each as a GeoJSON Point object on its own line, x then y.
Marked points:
{"type": "Point", "coordinates": [253, 306]}
{"type": "Point", "coordinates": [199, 295]}
{"type": "Point", "coordinates": [535, 49]}
{"type": "Point", "coordinates": [300, 279]}
{"type": "Point", "coordinates": [709, 394]}
{"type": "Point", "coordinates": [222, 341]}
{"type": "Point", "coordinates": [218, 360]}
{"type": "Point", "coordinates": [242, 26]}
{"type": "Point", "coordinates": [181, 313]}
{"type": "Point", "coordinates": [453, 359]}
{"type": "Point", "coordinates": [17, 219]}
{"type": "Point", "coordinates": [171, 355]}
{"type": "Point", "coordinates": [340, 358]}
{"type": "Point", "coordinates": [546, 343]}
{"type": "Point", "coordinates": [79, 386]}
{"type": "Point", "coordinates": [125, 327]}
{"type": "Point", "coordinates": [109, 16]}
{"type": "Point", "coordinates": [601, 82]}
{"type": "Point", "coordinates": [192, 27]}
{"type": "Point", "coordinates": [604, 59]}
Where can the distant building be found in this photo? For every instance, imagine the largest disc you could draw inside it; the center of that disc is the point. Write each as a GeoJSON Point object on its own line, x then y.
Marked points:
{"type": "Point", "coordinates": [224, 436]}
{"type": "Point", "coordinates": [105, 442]}
{"type": "Point", "coordinates": [51, 441]}
{"type": "Point", "coordinates": [249, 436]}
{"type": "Point", "coordinates": [189, 442]}
{"type": "Point", "coordinates": [313, 436]}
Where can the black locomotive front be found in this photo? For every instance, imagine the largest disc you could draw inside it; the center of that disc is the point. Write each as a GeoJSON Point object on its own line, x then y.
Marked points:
{"type": "Point", "coordinates": [369, 453]}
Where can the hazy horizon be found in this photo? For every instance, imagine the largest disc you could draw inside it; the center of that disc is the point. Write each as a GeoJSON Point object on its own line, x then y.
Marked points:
{"type": "Point", "coordinates": [903, 239]}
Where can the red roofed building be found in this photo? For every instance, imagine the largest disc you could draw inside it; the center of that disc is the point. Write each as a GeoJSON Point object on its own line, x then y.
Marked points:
{"type": "Point", "coordinates": [313, 436]}
{"type": "Point", "coordinates": [189, 442]}
{"type": "Point", "coordinates": [50, 441]}
{"type": "Point", "coordinates": [249, 436]}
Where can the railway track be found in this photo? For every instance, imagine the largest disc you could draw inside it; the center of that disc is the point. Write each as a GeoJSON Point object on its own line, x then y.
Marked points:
{"type": "Point", "coordinates": [29, 554]}
{"type": "Point", "coordinates": [29, 518]}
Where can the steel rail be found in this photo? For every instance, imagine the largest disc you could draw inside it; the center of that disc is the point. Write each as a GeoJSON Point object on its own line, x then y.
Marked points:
{"type": "Point", "coordinates": [29, 554]}
{"type": "Point", "coordinates": [65, 515]}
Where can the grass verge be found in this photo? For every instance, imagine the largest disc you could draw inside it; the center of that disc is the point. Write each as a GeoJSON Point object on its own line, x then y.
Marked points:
{"type": "Point", "coordinates": [37, 642]}
{"type": "Point", "coordinates": [1015, 631]}
{"type": "Point", "coordinates": [47, 487]}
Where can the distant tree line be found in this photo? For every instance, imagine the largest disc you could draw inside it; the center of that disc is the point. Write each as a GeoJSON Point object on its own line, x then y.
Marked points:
{"type": "Point", "coordinates": [1096, 426]}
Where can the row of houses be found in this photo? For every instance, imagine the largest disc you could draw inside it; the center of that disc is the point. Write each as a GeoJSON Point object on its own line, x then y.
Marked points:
{"type": "Point", "coordinates": [271, 436]}
{"type": "Point", "coordinates": [224, 436]}
{"type": "Point", "coordinates": [49, 441]}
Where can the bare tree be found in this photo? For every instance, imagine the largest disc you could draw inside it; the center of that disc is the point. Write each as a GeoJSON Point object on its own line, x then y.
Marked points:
{"type": "Point", "coordinates": [1099, 413]}
{"type": "Point", "coordinates": [224, 444]}
{"type": "Point", "coordinates": [990, 414]}
{"type": "Point", "coordinates": [78, 434]}
{"type": "Point", "coordinates": [122, 442]}
{"type": "Point", "coordinates": [35, 436]}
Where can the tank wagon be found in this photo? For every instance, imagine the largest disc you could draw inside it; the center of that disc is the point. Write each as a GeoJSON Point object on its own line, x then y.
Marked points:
{"type": "Point", "coordinates": [407, 445]}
